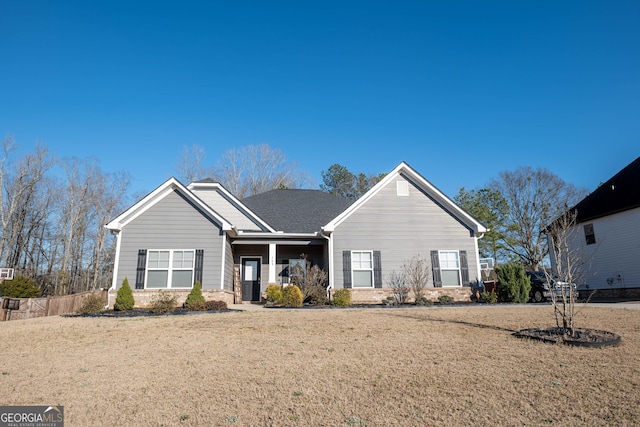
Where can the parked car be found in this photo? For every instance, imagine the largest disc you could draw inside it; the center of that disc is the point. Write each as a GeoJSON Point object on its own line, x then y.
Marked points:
{"type": "Point", "coordinates": [541, 288]}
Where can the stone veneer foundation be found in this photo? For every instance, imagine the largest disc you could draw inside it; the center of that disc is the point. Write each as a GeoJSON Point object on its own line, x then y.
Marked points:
{"type": "Point", "coordinates": [143, 297]}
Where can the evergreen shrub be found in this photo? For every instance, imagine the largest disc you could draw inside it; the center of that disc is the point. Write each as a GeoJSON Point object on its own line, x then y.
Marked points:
{"type": "Point", "coordinates": [292, 296]}
{"type": "Point", "coordinates": [20, 287]}
{"type": "Point", "coordinates": [124, 297]}
{"type": "Point", "coordinates": [195, 301]}
{"type": "Point", "coordinates": [342, 297]}
{"type": "Point", "coordinates": [445, 299]}
{"type": "Point", "coordinates": [513, 283]}
{"type": "Point", "coordinates": [274, 294]}
{"type": "Point", "coordinates": [489, 297]}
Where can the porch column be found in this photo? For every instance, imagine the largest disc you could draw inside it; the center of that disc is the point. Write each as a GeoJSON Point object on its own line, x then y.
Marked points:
{"type": "Point", "coordinates": [272, 263]}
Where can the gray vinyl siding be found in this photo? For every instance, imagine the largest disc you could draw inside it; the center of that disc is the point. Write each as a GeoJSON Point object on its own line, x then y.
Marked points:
{"type": "Point", "coordinates": [614, 256]}
{"type": "Point", "coordinates": [228, 210]}
{"type": "Point", "coordinates": [401, 227]}
{"type": "Point", "coordinates": [172, 223]}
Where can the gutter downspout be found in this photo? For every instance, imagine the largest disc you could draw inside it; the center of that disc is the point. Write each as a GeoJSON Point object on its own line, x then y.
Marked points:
{"type": "Point", "coordinates": [116, 266]}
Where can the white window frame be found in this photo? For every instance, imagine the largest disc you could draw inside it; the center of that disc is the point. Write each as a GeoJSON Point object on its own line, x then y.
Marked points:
{"type": "Point", "coordinates": [170, 269]}
{"type": "Point", "coordinates": [443, 269]}
{"type": "Point", "coordinates": [353, 269]}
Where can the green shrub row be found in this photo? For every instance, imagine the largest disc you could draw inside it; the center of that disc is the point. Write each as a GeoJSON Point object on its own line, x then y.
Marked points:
{"type": "Point", "coordinates": [163, 301]}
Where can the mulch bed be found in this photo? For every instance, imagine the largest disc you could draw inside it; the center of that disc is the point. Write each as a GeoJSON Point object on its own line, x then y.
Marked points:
{"type": "Point", "coordinates": [584, 337]}
{"type": "Point", "coordinates": [145, 312]}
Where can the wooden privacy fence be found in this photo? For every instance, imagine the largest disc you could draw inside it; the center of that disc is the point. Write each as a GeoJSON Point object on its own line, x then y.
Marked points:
{"type": "Point", "coordinates": [27, 308]}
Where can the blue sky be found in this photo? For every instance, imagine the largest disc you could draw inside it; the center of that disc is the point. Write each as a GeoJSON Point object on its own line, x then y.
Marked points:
{"type": "Point", "coordinates": [460, 90]}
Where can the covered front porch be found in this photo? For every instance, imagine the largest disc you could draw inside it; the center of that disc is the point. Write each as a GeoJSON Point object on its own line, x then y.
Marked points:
{"type": "Point", "coordinates": [259, 263]}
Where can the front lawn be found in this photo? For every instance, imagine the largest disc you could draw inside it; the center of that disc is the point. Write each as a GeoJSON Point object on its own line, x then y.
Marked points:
{"type": "Point", "coordinates": [375, 367]}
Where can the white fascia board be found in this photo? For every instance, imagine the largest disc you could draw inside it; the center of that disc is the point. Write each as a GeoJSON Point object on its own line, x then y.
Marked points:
{"type": "Point", "coordinates": [154, 197]}
{"type": "Point", "coordinates": [423, 184]}
{"type": "Point", "coordinates": [234, 199]}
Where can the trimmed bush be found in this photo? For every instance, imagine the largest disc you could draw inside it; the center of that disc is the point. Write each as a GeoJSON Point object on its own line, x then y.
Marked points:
{"type": "Point", "coordinates": [163, 302]}
{"type": "Point", "coordinates": [93, 304]}
{"type": "Point", "coordinates": [216, 305]}
{"type": "Point", "coordinates": [20, 287]}
{"type": "Point", "coordinates": [292, 296]}
{"type": "Point", "coordinates": [513, 283]}
{"type": "Point", "coordinates": [489, 297]}
{"type": "Point", "coordinates": [195, 301]}
{"type": "Point", "coordinates": [124, 297]}
{"type": "Point", "coordinates": [342, 297]}
{"type": "Point", "coordinates": [445, 299]}
{"type": "Point", "coordinates": [274, 294]}
{"type": "Point", "coordinates": [423, 301]}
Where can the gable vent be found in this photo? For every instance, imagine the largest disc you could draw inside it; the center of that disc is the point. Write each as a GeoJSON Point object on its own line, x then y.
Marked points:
{"type": "Point", "coordinates": [402, 188]}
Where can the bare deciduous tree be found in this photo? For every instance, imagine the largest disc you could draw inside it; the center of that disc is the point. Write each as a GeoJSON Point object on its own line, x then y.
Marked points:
{"type": "Point", "coordinates": [534, 196]}
{"type": "Point", "coordinates": [568, 262]}
{"type": "Point", "coordinates": [52, 224]}
{"type": "Point", "coordinates": [416, 273]}
{"type": "Point", "coordinates": [18, 202]}
{"type": "Point", "coordinates": [255, 169]}
{"type": "Point", "coordinates": [191, 166]}
{"type": "Point", "coordinates": [399, 286]}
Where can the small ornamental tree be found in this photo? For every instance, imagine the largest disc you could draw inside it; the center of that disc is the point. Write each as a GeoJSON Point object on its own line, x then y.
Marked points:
{"type": "Point", "coordinates": [513, 283]}
{"type": "Point", "coordinates": [195, 301]}
{"type": "Point", "coordinates": [311, 280]}
{"type": "Point", "coordinates": [124, 297]}
{"type": "Point", "coordinates": [399, 286]}
{"type": "Point", "coordinates": [416, 273]}
{"type": "Point", "coordinates": [569, 263]}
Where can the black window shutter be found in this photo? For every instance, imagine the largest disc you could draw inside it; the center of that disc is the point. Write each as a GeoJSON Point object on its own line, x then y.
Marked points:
{"type": "Point", "coordinates": [346, 269]}
{"type": "Point", "coordinates": [198, 270]}
{"type": "Point", "coordinates": [377, 270]}
{"type": "Point", "coordinates": [464, 268]}
{"type": "Point", "coordinates": [142, 265]}
{"type": "Point", "coordinates": [435, 267]}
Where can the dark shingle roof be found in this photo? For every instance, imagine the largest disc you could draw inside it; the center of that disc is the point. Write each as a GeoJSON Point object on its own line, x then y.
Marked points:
{"type": "Point", "coordinates": [297, 211]}
{"type": "Point", "coordinates": [618, 194]}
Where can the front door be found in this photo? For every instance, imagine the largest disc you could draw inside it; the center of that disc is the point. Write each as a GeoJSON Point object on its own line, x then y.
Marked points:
{"type": "Point", "coordinates": [251, 279]}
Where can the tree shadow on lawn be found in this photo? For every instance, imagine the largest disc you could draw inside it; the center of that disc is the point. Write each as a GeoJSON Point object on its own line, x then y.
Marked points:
{"type": "Point", "coordinates": [457, 322]}
{"type": "Point", "coordinates": [584, 337]}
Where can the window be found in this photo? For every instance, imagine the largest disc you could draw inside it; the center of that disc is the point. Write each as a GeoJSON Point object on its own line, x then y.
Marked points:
{"type": "Point", "coordinates": [449, 268]}
{"type": "Point", "coordinates": [170, 269]}
{"type": "Point", "coordinates": [362, 269]}
{"type": "Point", "coordinates": [589, 234]}
{"type": "Point", "coordinates": [296, 270]}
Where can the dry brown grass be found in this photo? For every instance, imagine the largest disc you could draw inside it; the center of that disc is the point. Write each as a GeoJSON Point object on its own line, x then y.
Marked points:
{"type": "Point", "coordinates": [374, 367]}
